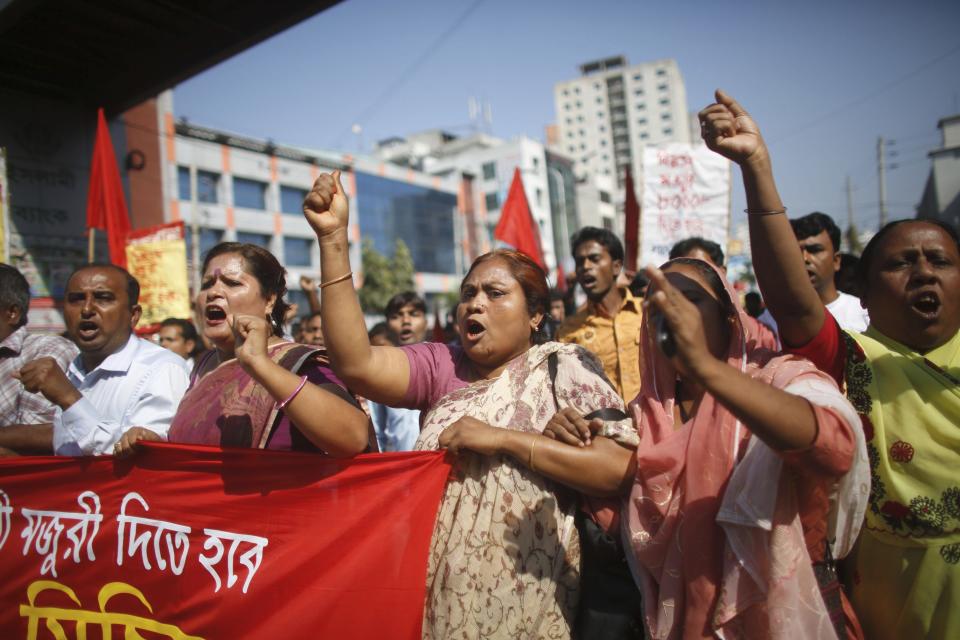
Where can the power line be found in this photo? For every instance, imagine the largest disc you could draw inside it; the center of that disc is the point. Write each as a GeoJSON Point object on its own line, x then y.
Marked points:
{"type": "Point", "coordinates": [824, 116]}
{"type": "Point", "coordinates": [408, 73]}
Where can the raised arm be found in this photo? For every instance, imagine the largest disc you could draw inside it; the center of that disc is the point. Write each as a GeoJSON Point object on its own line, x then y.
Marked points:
{"type": "Point", "coordinates": [730, 131]}
{"type": "Point", "coordinates": [381, 374]}
{"type": "Point", "coordinates": [309, 287]}
{"type": "Point", "coordinates": [325, 414]}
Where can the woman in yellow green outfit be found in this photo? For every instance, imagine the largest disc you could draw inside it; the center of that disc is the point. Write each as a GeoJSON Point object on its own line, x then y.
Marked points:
{"type": "Point", "coordinates": [902, 375]}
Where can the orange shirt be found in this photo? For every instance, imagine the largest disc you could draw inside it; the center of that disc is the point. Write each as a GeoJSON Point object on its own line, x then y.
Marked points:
{"type": "Point", "coordinates": [616, 340]}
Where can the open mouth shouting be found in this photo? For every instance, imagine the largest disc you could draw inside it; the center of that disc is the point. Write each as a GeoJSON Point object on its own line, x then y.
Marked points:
{"type": "Point", "coordinates": [588, 281]}
{"type": "Point", "coordinates": [214, 315]}
{"type": "Point", "coordinates": [926, 304]}
{"type": "Point", "coordinates": [87, 330]}
{"type": "Point", "coordinates": [474, 329]}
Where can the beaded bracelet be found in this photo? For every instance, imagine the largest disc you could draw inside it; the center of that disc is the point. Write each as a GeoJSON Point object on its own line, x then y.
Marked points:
{"type": "Point", "coordinates": [765, 213]}
{"type": "Point", "coordinates": [280, 406]}
{"type": "Point", "coordinates": [345, 276]}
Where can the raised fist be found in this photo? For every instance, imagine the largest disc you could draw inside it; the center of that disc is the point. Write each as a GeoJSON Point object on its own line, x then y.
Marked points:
{"type": "Point", "coordinates": [729, 130]}
{"type": "Point", "coordinates": [326, 207]}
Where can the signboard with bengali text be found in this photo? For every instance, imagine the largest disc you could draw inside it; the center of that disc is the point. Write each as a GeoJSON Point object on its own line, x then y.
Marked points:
{"type": "Point", "coordinates": [157, 258]}
{"type": "Point", "coordinates": [686, 192]}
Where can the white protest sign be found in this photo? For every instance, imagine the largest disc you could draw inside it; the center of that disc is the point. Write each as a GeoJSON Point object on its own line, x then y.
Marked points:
{"type": "Point", "coordinates": [686, 192]}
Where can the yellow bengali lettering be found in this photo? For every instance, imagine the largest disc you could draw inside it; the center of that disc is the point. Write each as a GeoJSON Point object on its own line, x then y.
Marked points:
{"type": "Point", "coordinates": [106, 620]}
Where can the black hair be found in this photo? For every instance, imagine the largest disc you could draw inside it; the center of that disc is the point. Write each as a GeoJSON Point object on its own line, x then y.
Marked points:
{"type": "Point", "coordinates": [187, 332]}
{"type": "Point", "coordinates": [379, 329]}
{"type": "Point", "coordinates": [556, 294]}
{"type": "Point", "coordinates": [310, 316]}
{"type": "Point", "coordinates": [14, 291]}
{"type": "Point", "coordinates": [683, 249]}
{"type": "Point", "coordinates": [713, 280]}
{"type": "Point", "coordinates": [813, 223]}
{"type": "Point", "coordinates": [403, 299]}
{"type": "Point", "coordinates": [133, 286]}
{"type": "Point", "coordinates": [639, 284]}
{"type": "Point", "coordinates": [603, 237]}
{"type": "Point", "coordinates": [264, 267]}
{"type": "Point", "coordinates": [869, 252]}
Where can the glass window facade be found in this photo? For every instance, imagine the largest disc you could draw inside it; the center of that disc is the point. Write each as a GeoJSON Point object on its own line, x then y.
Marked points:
{"type": "Point", "coordinates": [249, 194]}
{"type": "Point", "coordinates": [260, 239]}
{"type": "Point", "coordinates": [422, 217]}
{"type": "Point", "coordinates": [489, 170]}
{"type": "Point", "coordinates": [209, 238]}
{"type": "Point", "coordinates": [492, 200]}
{"type": "Point", "coordinates": [291, 199]}
{"type": "Point", "coordinates": [208, 186]}
{"type": "Point", "coordinates": [183, 182]}
{"type": "Point", "coordinates": [296, 251]}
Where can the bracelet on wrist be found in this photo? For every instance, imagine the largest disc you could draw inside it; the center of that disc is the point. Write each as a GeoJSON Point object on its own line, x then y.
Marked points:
{"type": "Point", "coordinates": [775, 212]}
{"type": "Point", "coordinates": [280, 406]}
{"type": "Point", "coordinates": [346, 276]}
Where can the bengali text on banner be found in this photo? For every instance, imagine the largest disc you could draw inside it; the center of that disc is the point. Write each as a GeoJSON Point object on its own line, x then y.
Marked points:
{"type": "Point", "coordinates": [197, 542]}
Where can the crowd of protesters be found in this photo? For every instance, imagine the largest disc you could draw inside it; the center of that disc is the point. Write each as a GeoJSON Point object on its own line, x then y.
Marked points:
{"type": "Point", "coordinates": [665, 461]}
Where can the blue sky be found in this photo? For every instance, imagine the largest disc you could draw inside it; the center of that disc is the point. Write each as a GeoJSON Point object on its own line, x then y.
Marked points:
{"type": "Point", "coordinates": [823, 79]}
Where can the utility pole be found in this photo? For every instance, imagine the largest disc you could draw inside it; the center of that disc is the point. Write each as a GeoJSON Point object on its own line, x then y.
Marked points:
{"type": "Point", "coordinates": [853, 235]}
{"type": "Point", "coordinates": [882, 176]}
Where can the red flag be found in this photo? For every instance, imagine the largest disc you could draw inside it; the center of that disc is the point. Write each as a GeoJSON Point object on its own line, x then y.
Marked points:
{"type": "Point", "coordinates": [631, 227]}
{"type": "Point", "coordinates": [517, 227]}
{"type": "Point", "coordinates": [438, 333]}
{"type": "Point", "coordinates": [561, 279]}
{"type": "Point", "coordinates": [106, 206]}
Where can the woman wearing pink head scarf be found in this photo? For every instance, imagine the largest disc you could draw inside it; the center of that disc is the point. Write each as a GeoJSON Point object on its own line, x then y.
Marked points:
{"type": "Point", "coordinates": [752, 474]}
{"type": "Point", "coordinates": [742, 453]}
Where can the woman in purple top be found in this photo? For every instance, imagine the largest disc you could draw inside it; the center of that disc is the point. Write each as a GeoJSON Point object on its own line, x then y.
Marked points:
{"type": "Point", "coordinates": [505, 556]}
{"type": "Point", "coordinates": [256, 389]}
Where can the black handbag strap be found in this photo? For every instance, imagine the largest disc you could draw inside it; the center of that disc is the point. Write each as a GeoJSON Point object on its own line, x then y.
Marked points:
{"type": "Point", "coordinates": [605, 414]}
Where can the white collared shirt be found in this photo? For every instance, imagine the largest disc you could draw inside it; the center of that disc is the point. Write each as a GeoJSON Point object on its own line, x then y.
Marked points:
{"type": "Point", "coordinates": [139, 386]}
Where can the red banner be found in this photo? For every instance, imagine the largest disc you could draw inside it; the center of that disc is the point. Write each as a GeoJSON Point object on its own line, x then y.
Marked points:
{"type": "Point", "coordinates": [196, 542]}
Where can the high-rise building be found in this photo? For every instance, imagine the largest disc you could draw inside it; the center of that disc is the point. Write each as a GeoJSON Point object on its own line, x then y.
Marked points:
{"type": "Point", "coordinates": [613, 110]}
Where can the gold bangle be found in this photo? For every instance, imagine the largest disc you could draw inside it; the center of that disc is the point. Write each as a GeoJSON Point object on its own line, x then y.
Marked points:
{"type": "Point", "coordinates": [765, 213]}
{"type": "Point", "coordinates": [346, 276]}
{"type": "Point", "coordinates": [533, 443]}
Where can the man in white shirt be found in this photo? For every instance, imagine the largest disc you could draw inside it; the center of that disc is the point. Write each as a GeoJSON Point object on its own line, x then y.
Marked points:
{"type": "Point", "coordinates": [119, 381]}
{"type": "Point", "coordinates": [819, 240]}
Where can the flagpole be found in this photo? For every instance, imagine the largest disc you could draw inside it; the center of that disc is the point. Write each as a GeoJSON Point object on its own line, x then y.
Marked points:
{"type": "Point", "coordinates": [91, 240]}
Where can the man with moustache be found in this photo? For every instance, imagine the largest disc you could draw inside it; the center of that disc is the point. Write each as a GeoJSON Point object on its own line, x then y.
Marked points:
{"type": "Point", "coordinates": [609, 324]}
{"type": "Point", "coordinates": [120, 384]}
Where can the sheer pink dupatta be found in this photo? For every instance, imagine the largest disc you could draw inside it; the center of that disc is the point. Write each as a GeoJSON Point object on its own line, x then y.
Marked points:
{"type": "Point", "coordinates": [694, 583]}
